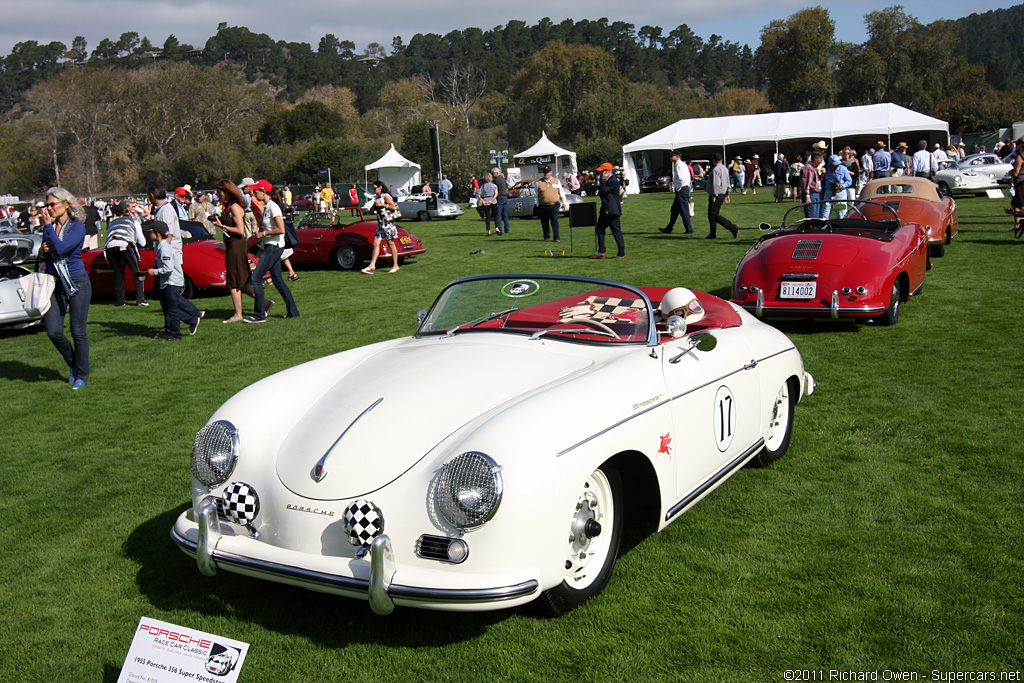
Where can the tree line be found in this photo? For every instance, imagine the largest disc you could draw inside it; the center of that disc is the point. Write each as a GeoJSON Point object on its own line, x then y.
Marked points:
{"type": "Point", "coordinates": [108, 120]}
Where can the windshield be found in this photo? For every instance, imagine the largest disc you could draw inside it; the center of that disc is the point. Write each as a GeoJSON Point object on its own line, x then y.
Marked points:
{"type": "Point", "coordinates": [542, 306]}
{"type": "Point", "coordinates": [858, 215]}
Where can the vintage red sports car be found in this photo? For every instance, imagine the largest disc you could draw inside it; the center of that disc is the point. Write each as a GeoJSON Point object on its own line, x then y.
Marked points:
{"type": "Point", "coordinates": [917, 200]}
{"type": "Point", "coordinates": [861, 266]}
{"type": "Point", "coordinates": [203, 264]}
{"type": "Point", "coordinates": [324, 238]}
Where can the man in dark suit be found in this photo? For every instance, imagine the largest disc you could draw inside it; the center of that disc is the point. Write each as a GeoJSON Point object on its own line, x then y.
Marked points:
{"type": "Point", "coordinates": [781, 171]}
{"type": "Point", "coordinates": [609, 186]}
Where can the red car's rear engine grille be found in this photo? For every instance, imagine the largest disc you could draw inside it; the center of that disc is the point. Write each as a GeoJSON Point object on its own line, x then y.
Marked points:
{"type": "Point", "coordinates": [807, 250]}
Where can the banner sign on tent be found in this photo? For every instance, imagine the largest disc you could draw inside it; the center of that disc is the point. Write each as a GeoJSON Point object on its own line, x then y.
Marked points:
{"type": "Point", "coordinates": [536, 161]}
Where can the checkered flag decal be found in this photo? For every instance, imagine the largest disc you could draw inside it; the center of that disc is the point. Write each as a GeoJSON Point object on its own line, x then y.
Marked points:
{"type": "Point", "coordinates": [364, 522]}
{"type": "Point", "coordinates": [604, 308]}
{"type": "Point", "coordinates": [241, 502]}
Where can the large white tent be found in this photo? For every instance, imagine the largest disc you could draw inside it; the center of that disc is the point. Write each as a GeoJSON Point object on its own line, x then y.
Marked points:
{"type": "Point", "coordinates": [544, 153]}
{"type": "Point", "coordinates": [785, 131]}
{"type": "Point", "coordinates": [394, 169]}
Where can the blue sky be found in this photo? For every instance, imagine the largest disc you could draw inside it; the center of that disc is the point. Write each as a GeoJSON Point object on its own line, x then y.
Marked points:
{"type": "Point", "coordinates": [193, 21]}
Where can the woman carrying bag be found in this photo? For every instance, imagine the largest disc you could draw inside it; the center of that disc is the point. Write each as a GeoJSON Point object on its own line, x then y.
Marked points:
{"type": "Point", "coordinates": [270, 233]}
{"type": "Point", "coordinates": [63, 236]}
{"type": "Point", "coordinates": [387, 212]}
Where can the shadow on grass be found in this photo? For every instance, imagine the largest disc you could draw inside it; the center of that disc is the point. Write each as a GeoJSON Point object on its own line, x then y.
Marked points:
{"type": "Point", "coordinates": [16, 370]}
{"type": "Point", "coordinates": [133, 329]}
{"type": "Point", "coordinates": [170, 580]}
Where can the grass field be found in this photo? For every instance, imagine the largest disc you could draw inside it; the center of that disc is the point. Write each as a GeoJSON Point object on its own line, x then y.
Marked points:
{"type": "Point", "coordinates": [888, 539]}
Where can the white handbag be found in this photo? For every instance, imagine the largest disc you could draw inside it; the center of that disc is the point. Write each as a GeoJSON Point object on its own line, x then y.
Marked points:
{"type": "Point", "coordinates": [37, 291]}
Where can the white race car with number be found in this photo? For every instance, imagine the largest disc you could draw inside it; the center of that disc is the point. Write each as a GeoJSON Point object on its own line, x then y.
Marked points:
{"type": "Point", "coordinates": [493, 457]}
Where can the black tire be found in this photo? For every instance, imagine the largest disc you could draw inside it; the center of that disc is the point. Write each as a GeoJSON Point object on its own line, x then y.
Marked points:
{"type": "Point", "coordinates": [423, 216]}
{"type": "Point", "coordinates": [189, 289]}
{"type": "Point", "coordinates": [937, 250]}
{"type": "Point", "coordinates": [780, 426]}
{"type": "Point", "coordinates": [892, 314]}
{"type": "Point", "coordinates": [346, 258]}
{"type": "Point", "coordinates": [944, 190]}
{"type": "Point", "coordinates": [600, 498]}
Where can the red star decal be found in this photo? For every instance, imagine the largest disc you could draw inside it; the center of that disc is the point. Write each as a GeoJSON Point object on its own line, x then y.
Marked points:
{"type": "Point", "coordinates": [665, 447]}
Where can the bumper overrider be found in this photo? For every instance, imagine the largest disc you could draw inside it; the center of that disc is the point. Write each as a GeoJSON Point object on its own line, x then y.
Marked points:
{"type": "Point", "coordinates": [370, 575]}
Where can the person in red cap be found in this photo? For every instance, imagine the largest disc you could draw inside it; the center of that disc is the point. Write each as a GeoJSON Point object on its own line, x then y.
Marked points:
{"type": "Point", "coordinates": [182, 198]}
{"type": "Point", "coordinates": [608, 186]}
{"type": "Point", "coordinates": [270, 233]}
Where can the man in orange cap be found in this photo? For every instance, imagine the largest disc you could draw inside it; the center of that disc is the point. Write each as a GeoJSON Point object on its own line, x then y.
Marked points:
{"type": "Point", "coordinates": [608, 185]}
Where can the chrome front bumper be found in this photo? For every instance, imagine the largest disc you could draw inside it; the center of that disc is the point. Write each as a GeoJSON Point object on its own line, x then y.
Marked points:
{"type": "Point", "coordinates": [379, 589]}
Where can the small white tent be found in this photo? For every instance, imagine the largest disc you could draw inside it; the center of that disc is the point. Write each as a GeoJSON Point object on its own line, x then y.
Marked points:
{"type": "Point", "coordinates": [857, 126]}
{"type": "Point", "coordinates": [394, 169]}
{"type": "Point", "coordinates": [545, 153]}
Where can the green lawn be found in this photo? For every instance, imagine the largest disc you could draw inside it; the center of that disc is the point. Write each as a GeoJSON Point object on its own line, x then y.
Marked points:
{"type": "Point", "coordinates": [888, 538]}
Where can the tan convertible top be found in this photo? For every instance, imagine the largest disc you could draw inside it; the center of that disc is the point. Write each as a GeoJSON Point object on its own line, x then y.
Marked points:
{"type": "Point", "coordinates": [903, 186]}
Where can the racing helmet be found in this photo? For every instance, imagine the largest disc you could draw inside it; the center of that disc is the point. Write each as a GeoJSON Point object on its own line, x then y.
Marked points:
{"type": "Point", "coordinates": [682, 302]}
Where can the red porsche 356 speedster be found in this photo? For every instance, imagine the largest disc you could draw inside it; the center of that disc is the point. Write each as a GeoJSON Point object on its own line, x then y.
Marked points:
{"type": "Point", "coordinates": [860, 266]}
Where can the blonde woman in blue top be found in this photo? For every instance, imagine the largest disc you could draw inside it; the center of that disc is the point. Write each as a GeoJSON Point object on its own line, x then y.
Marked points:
{"type": "Point", "coordinates": [63, 236]}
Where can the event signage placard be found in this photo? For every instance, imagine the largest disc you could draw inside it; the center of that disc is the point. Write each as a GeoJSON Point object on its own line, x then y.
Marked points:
{"type": "Point", "coordinates": [536, 161]}
{"type": "Point", "coordinates": [165, 653]}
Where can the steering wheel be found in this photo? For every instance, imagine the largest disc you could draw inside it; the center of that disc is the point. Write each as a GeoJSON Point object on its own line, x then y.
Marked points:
{"type": "Point", "coordinates": [596, 324]}
{"type": "Point", "coordinates": [814, 223]}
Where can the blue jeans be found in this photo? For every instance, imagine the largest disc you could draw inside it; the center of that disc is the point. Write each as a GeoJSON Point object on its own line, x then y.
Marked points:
{"type": "Point", "coordinates": [270, 261]}
{"type": "Point", "coordinates": [812, 210]}
{"type": "Point", "coordinates": [681, 207]}
{"type": "Point", "coordinates": [549, 220]}
{"type": "Point", "coordinates": [176, 308]}
{"type": "Point", "coordinates": [76, 355]}
{"type": "Point", "coordinates": [834, 199]}
{"type": "Point", "coordinates": [501, 209]}
{"type": "Point", "coordinates": [737, 181]}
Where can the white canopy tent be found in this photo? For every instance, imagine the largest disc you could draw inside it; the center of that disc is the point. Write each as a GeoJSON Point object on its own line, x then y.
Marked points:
{"type": "Point", "coordinates": [394, 169]}
{"type": "Point", "coordinates": [544, 153]}
{"type": "Point", "coordinates": [768, 133]}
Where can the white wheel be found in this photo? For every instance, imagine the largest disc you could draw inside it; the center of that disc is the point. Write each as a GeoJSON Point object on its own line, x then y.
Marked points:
{"type": "Point", "coordinates": [595, 529]}
{"type": "Point", "coordinates": [780, 428]}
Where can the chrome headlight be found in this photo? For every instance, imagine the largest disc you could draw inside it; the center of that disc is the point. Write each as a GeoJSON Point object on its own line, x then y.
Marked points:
{"type": "Point", "coordinates": [214, 453]}
{"type": "Point", "coordinates": [469, 489]}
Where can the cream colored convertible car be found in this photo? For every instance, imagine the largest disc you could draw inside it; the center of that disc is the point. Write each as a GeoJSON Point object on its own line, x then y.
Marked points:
{"type": "Point", "coordinates": [491, 458]}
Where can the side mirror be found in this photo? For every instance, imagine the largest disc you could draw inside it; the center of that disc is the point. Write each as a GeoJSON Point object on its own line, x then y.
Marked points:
{"type": "Point", "coordinates": [704, 341]}
{"type": "Point", "coordinates": [764, 227]}
{"type": "Point", "coordinates": [421, 316]}
{"type": "Point", "coordinates": [676, 326]}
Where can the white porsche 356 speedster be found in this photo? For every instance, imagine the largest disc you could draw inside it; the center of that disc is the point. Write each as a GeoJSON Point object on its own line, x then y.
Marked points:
{"type": "Point", "coordinates": [491, 458]}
